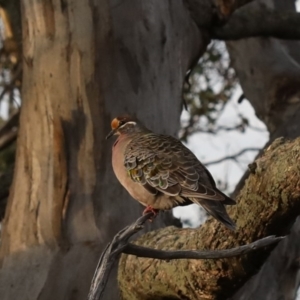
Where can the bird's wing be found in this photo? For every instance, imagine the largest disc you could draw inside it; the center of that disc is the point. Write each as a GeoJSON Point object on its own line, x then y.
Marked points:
{"type": "Point", "coordinates": [162, 163]}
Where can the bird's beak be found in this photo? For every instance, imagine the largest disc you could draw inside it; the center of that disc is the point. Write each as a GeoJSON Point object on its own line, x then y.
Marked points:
{"type": "Point", "coordinates": [111, 134]}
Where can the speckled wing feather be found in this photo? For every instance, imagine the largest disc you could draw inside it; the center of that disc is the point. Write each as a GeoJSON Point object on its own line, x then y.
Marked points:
{"type": "Point", "coordinates": [162, 163]}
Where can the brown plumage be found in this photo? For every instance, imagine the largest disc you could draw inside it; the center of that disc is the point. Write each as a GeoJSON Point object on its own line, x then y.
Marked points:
{"type": "Point", "coordinates": [161, 173]}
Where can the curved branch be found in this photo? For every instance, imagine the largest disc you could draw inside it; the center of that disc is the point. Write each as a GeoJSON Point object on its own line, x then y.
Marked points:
{"type": "Point", "coordinates": [233, 157]}
{"type": "Point", "coordinates": [194, 254]}
{"type": "Point", "coordinates": [111, 254]}
{"type": "Point", "coordinates": [120, 245]}
{"type": "Point", "coordinates": [253, 21]}
{"type": "Point", "coordinates": [238, 127]}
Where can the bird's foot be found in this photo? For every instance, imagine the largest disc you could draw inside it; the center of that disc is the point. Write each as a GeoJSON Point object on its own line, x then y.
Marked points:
{"type": "Point", "coordinates": [152, 210]}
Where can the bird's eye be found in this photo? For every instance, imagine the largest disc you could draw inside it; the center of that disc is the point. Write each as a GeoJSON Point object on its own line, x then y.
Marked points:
{"type": "Point", "coordinates": [121, 123]}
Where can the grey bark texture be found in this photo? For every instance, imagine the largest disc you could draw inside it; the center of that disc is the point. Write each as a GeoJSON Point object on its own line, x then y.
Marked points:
{"type": "Point", "coordinates": [84, 63]}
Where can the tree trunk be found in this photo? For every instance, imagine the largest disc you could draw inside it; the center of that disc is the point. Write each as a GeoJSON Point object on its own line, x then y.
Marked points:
{"type": "Point", "coordinates": [84, 63]}
{"type": "Point", "coordinates": [268, 204]}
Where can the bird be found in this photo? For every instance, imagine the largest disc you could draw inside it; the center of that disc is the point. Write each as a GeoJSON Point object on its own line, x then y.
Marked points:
{"type": "Point", "coordinates": [161, 173]}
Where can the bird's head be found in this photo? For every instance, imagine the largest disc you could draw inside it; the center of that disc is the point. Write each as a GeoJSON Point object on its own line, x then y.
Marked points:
{"type": "Point", "coordinates": [125, 125]}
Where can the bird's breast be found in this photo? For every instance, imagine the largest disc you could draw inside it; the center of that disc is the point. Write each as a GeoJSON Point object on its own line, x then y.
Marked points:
{"type": "Point", "coordinates": [136, 190]}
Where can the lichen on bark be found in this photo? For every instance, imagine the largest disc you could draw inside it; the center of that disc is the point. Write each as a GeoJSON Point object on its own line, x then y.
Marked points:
{"type": "Point", "coordinates": [268, 204]}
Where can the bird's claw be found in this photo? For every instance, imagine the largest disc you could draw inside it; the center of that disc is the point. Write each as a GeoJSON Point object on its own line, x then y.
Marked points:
{"type": "Point", "coordinates": [149, 209]}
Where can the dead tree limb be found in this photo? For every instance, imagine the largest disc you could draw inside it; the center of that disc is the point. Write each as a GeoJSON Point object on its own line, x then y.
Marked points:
{"type": "Point", "coordinates": [111, 254]}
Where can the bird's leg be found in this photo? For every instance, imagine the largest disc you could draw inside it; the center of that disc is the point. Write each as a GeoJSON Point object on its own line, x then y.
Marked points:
{"type": "Point", "coordinates": [151, 209]}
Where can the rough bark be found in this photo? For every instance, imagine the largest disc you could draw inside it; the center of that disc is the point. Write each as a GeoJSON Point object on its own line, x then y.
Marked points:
{"type": "Point", "coordinates": [84, 63]}
{"type": "Point", "coordinates": [268, 204]}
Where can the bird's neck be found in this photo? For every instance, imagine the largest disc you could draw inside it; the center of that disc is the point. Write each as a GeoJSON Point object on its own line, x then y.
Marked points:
{"type": "Point", "coordinates": [121, 140]}
{"type": "Point", "coordinates": [124, 139]}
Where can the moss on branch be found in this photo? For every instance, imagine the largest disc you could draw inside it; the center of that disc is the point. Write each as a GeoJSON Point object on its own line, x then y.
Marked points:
{"type": "Point", "coordinates": [268, 204]}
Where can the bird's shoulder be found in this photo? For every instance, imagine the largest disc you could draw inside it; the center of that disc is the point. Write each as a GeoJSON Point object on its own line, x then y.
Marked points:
{"type": "Point", "coordinates": [159, 145]}
{"type": "Point", "coordinates": [164, 154]}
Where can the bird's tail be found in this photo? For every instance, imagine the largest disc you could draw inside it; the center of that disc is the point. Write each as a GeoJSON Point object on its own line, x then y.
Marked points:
{"type": "Point", "coordinates": [217, 210]}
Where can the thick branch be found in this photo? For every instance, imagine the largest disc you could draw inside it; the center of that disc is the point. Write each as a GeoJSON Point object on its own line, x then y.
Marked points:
{"type": "Point", "coordinates": [120, 244]}
{"type": "Point", "coordinates": [252, 21]}
{"type": "Point", "coordinates": [274, 68]}
{"type": "Point", "coordinates": [268, 204]}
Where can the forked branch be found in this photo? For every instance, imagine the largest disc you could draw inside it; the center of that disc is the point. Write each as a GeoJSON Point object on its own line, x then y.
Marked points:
{"type": "Point", "coordinates": [120, 244]}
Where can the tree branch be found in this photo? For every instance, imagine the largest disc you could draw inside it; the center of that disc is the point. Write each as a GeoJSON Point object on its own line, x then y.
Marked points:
{"type": "Point", "coordinates": [188, 130]}
{"type": "Point", "coordinates": [110, 255]}
{"type": "Point", "coordinates": [267, 205]}
{"type": "Point", "coordinates": [120, 244]}
{"type": "Point", "coordinates": [141, 251]}
{"type": "Point", "coordinates": [9, 132]}
{"type": "Point", "coordinates": [233, 157]}
{"type": "Point", "coordinates": [253, 21]}
{"type": "Point", "coordinates": [11, 85]}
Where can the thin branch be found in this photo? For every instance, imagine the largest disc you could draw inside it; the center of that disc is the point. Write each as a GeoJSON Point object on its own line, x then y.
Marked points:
{"type": "Point", "coordinates": [254, 21]}
{"type": "Point", "coordinates": [10, 124]}
{"type": "Point", "coordinates": [232, 157]}
{"type": "Point", "coordinates": [7, 139]}
{"type": "Point", "coordinates": [238, 127]}
{"type": "Point", "coordinates": [195, 254]}
{"type": "Point", "coordinates": [121, 244]}
{"type": "Point", "coordinates": [110, 256]}
{"type": "Point", "coordinates": [9, 132]}
{"type": "Point", "coordinates": [8, 87]}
